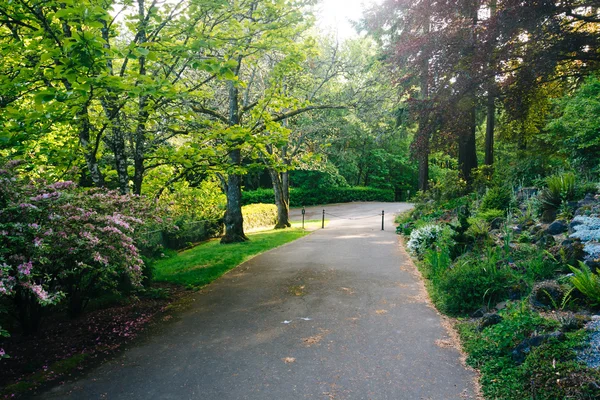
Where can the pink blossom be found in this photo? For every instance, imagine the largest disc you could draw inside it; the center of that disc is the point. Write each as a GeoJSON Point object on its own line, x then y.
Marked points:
{"type": "Point", "coordinates": [99, 258]}
{"type": "Point", "coordinates": [62, 185]}
{"type": "Point", "coordinates": [37, 242]}
{"type": "Point", "coordinates": [2, 352]}
{"type": "Point", "coordinates": [28, 205]}
{"type": "Point", "coordinates": [34, 226]}
{"type": "Point", "coordinates": [25, 268]}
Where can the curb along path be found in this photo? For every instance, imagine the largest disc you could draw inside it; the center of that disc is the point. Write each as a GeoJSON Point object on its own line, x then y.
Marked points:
{"type": "Point", "coordinates": [338, 314]}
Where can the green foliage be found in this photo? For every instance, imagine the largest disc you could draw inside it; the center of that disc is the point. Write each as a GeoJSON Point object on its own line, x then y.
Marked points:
{"type": "Point", "coordinates": [497, 198]}
{"type": "Point", "coordinates": [551, 370]}
{"type": "Point", "coordinates": [309, 197]}
{"type": "Point", "coordinates": [559, 188]}
{"type": "Point", "coordinates": [449, 185]}
{"type": "Point", "coordinates": [259, 215]}
{"type": "Point", "coordinates": [472, 283]}
{"type": "Point", "coordinates": [577, 124]}
{"type": "Point", "coordinates": [587, 283]}
{"type": "Point", "coordinates": [204, 263]}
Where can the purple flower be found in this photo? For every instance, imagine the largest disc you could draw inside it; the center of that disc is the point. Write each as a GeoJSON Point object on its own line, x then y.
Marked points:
{"type": "Point", "coordinates": [37, 242]}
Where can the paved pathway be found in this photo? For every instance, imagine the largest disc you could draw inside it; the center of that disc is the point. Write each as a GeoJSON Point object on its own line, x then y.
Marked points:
{"type": "Point", "coordinates": [338, 314]}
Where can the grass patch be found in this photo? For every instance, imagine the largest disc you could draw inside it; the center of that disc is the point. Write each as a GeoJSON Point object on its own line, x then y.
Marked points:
{"type": "Point", "coordinates": [208, 261]}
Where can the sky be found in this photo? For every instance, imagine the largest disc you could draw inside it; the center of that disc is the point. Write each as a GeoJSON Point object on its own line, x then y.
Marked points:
{"type": "Point", "coordinates": [333, 15]}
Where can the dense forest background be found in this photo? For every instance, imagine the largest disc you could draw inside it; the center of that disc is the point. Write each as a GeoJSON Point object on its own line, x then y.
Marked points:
{"type": "Point", "coordinates": [172, 100]}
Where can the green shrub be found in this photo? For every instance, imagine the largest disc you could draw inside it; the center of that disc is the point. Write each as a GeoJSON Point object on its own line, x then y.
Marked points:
{"type": "Point", "coordinates": [492, 216]}
{"type": "Point", "coordinates": [449, 185]}
{"type": "Point", "coordinates": [497, 198]}
{"type": "Point", "coordinates": [309, 197]}
{"type": "Point", "coordinates": [479, 228]}
{"type": "Point", "coordinates": [470, 284]}
{"type": "Point", "coordinates": [259, 215]}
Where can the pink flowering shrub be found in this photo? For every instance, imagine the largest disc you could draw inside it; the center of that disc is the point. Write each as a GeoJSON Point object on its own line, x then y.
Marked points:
{"type": "Point", "coordinates": [61, 244]}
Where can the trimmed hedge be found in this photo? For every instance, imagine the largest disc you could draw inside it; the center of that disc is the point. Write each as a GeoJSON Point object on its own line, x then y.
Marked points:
{"type": "Point", "coordinates": [259, 215]}
{"type": "Point", "coordinates": [311, 197]}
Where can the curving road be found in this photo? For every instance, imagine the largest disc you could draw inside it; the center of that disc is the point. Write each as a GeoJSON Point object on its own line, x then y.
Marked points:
{"type": "Point", "coordinates": [339, 314]}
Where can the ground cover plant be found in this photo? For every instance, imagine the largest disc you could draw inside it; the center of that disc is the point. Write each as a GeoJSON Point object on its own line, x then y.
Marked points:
{"type": "Point", "coordinates": [524, 290]}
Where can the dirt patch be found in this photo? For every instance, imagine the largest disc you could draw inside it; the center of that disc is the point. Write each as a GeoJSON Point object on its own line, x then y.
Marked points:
{"type": "Point", "coordinates": [381, 312]}
{"type": "Point", "coordinates": [297, 290]}
{"type": "Point", "coordinates": [289, 360]}
{"type": "Point", "coordinates": [313, 340]}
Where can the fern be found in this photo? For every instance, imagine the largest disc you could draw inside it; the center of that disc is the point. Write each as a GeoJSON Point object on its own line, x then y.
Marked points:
{"type": "Point", "coordinates": [587, 283]}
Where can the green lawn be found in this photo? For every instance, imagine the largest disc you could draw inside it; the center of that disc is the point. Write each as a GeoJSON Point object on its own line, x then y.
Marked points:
{"type": "Point", "coordinates": [208, 261]}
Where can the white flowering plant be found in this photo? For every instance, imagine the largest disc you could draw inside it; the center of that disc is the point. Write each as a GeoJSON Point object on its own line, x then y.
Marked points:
{"type": "Point", "coordinates": [424, 238]}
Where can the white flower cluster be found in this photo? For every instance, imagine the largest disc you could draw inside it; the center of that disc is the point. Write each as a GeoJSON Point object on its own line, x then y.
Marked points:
{"type": "Point", "coordinates": [421, 239]}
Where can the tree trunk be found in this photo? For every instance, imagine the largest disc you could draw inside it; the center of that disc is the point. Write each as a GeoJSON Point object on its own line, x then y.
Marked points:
{"type": "Point", "coordinates": [422, 136]}
{"type": "Point", "coordinates": [118, 147]}
{"type": "Point", "coordinates": [281, 199]}
{"type": "Point", "coordinates": [491, 109]}
{"type": "Point", "coordinates": [234, 222]}
{"type": "Point", "coordinates": [140, 131]}
{"type": "Point", "coordinates": [89, 151]}
{"type": "Point", "coordinates": [489, 130]}
{"type": "Point", "coordinates": [423, 158]}
{"type": "Point", "coordinates": [467, 151]}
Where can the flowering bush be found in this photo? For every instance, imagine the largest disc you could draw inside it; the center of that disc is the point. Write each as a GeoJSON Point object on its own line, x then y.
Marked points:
{"type": "Point", "coordinates": [423, 238]}
{"type": "Point", "coordinates": [58, 242]}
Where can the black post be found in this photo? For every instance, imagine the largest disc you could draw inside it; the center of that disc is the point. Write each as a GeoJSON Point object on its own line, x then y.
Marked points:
{"type": "Point", "coordinates": [303, 212]}
{"type": "Point", "coordinates": [323, 220]}
{"type": "Point", "coordinates": [382, 218]}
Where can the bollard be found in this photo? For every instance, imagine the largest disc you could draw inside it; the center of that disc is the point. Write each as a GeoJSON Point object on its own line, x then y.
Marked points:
{"type": "Point", "coordinates": [323, 220]}
{"type": "Point", "coordinates": [303, 212]}
{"type": "Point", "coordinates": [382, 218]}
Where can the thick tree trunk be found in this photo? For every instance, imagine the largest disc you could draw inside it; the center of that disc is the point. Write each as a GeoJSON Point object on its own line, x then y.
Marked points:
{"type": "Point", "coordinates": [281, 199]}
{"type": "Point", "coordinates": [234, 222]}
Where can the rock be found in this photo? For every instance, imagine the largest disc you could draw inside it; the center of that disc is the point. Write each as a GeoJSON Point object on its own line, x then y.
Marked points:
{"type": "Point", "coordinates": [557, 227]}
{"type": "Point", "coordinates": [574, 223]}
{"type": "Point", "coordinates": [517, 229]}
{"type": "Point", "coordinates": [489, 319]}
{"type": "Point", "coordinates": [573, 322]}
{"type": "Point", "coordinates": [546, 294]}
{"type": "Point", "coordinates": [536, 228]}
{"type": "Point", "coordinates": [500, 306]}
{"type": "Point", "coordinates": [480, 312]}
{"type": "Point", "coordinates": [520, 352]}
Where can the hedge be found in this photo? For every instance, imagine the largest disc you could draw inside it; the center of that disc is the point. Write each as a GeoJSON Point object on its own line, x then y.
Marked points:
{"type": "Point", "coordinates": [311, 197]}
{"type": "Point", "coordinates": [259, 215]}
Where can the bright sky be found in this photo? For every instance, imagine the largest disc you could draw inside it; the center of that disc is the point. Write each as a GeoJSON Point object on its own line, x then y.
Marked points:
{"type": "Point", "coordinates": [334, 15]}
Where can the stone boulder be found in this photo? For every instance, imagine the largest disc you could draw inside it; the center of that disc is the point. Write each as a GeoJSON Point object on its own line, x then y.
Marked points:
{"type": "Point", "coordinates": [557, 227]}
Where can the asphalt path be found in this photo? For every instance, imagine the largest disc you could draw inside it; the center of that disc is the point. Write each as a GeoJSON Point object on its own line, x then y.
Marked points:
{"type": "Point", "coordinates": [338, 314]}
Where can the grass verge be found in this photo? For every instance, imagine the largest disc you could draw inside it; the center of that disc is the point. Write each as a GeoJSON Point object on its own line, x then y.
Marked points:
{"type": "Point", "coordinates": [208, 261]}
